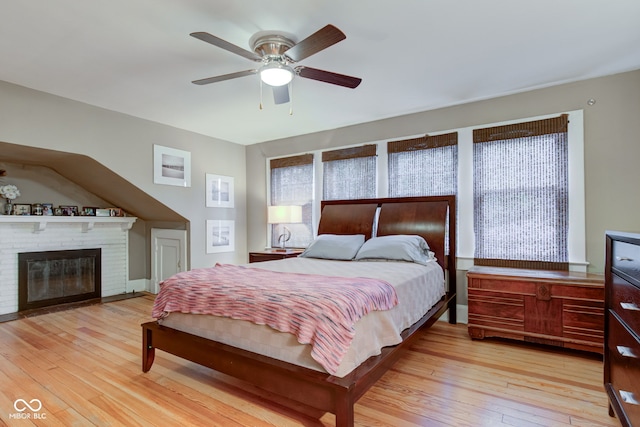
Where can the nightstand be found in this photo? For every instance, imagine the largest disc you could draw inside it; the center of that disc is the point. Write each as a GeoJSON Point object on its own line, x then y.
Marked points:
{"type": "Point", "coordinates": [273, 254]}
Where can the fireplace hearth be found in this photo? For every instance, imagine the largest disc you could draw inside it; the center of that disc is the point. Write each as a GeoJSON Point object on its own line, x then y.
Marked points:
{"type": "Point", "coordinates": [58, 277]}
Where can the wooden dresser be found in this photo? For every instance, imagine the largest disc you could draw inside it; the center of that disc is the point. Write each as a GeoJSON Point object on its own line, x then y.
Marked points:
{"type": "Point", "coordinates": [560, 308]}
{"type": "Point", "coordinates": [622, 326]}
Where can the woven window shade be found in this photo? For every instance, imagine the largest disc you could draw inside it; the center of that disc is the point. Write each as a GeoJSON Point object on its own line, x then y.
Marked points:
{"type": "Point", "coordinates": [423, 143]}
{"type": "Point", "coordinates": [426, 166]}
{"type": "Point", "coordinates": [350, 153]}
{"type": "Point", "coordinates": [520, 174]}
{"type": "Point", "coordinates": [349, 173]}
{"type": "Point", "coordinates": [292, 184]}
{"type": "Point", "coordinates": [303, 159]}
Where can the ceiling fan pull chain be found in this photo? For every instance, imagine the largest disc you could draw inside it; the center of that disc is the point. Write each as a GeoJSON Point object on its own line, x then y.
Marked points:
{"type": "Point", "coordinates": [260, 80]}
{"type": "Point", "coordinates": [291, 93]}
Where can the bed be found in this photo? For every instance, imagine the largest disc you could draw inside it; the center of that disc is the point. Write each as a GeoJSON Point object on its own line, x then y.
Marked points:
{"type": "Point", "coordinates": [432, 218]}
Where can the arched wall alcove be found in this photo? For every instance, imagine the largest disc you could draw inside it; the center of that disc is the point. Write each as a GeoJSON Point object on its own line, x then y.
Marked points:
{"type": "Point", "coordinates": [78, 179]}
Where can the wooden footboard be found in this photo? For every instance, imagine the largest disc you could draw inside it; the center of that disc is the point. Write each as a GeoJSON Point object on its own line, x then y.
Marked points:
{"type": "Point", "coordinates": [312, 388]}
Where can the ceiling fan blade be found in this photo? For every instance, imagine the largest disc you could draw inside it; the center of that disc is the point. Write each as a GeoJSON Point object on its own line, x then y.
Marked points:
{"type": "Point", "coordinates": [281, 94]}
{"type": "Point", "coordinates": [328, 77]}
{"type": "Point", "coordinates": [320, 40]}
{"type": "Point", "coordinates": [216, 41]}
{"type": "Point", "coordinates": [224, 77]}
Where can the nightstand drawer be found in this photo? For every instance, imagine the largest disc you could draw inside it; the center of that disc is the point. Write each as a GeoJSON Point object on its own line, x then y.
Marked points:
{"type": "Point", "coordinates": [625, 301]}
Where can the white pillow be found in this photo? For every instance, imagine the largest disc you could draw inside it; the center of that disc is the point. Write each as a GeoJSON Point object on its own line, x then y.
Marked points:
{"type": "Point", "coordinates": [410, 248]}
{"type": "Point", "coordinates": [334, 246]}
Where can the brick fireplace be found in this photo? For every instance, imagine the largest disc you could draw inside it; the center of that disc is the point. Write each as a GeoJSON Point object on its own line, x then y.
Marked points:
{"type": "Point", "coordinates": [41, 234]}
{"type": "Point", "coordinates": [58, 277]}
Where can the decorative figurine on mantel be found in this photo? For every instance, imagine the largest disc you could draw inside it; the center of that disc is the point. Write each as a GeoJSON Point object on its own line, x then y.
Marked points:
{"type": "Point", "coordinates": [8, 192]}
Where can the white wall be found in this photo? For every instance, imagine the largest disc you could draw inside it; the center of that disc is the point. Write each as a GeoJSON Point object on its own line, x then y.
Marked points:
{"type": "Point", "coordinates": [611, 148]}
{"type": "Point", "coordinates": [124, 144]}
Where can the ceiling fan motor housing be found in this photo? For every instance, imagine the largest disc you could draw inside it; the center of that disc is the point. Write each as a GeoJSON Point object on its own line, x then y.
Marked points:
{"type": "Point", "coordinates": [272, 45]}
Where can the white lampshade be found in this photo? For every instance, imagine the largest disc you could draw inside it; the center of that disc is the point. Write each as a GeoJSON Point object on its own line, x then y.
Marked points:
{"type": "Point", "coordinates": [276, 74]}
{"type": "Point", "coordinates": [284, 214]}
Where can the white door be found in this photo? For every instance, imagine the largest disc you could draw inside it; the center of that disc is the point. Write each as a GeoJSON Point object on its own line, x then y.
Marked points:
{"type": "Point", "coordinates": [169, 255]}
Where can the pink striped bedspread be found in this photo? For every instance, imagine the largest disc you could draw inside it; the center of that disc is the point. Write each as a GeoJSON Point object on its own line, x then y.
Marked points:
{"type": "Point", "coordinates": [319, 310]}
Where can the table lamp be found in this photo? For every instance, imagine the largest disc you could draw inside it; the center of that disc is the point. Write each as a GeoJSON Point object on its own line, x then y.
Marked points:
{"type": "Point", "coordinates": [284, 215]}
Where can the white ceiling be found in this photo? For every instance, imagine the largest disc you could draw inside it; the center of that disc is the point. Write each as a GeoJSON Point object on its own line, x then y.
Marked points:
{"type": "Point", "coordinates": [136, 56]}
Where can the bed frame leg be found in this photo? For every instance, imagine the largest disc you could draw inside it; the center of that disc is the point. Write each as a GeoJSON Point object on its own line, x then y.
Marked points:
{"type": "Point", "coordinates": [344, 411]}
{"type": "Point", "coordinates": [148, 351]}
{"type": "Point", "coordinates": [453, 317]}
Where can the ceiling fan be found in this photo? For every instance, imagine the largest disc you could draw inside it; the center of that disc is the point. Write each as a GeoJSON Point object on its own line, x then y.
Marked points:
{"type": "Point", "coordinates": [276, 54]}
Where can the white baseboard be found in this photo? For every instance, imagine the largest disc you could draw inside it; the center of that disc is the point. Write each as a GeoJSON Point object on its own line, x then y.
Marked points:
{"type": "Point", "coordinates": [138, 285]}
{"type": "Point", "coordinates": [462, 314]}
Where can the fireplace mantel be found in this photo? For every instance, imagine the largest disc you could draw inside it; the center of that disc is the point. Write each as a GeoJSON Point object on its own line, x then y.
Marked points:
{"type": "Point", "coordinates": [87, 222]}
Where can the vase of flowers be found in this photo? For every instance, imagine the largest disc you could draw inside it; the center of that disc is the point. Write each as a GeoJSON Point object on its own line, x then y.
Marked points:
{"type": "Point", "coordinates": [9, 192]}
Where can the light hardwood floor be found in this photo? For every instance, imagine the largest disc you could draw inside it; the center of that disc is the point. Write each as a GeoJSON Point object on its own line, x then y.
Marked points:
{"type": "Point", "coordinates": [84, 366]}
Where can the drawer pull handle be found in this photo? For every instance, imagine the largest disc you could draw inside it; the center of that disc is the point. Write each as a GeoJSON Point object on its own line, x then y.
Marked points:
{"type": "Point", "coordinates": [624, 258]}
{"type": "Point", "coordinates": [626, 351]}
{"type": "Point", "coordinates": [628, 397]}
{"type": "Point", "coordinates": [629, 306]}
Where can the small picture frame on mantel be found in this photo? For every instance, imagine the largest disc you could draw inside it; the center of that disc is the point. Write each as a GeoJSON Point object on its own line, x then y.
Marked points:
{"type": "Point", "coordinates": [69, 210]}
{"type": "Point", "coordinates": [21, 209]}
{"type": "Point", "coordinates": [89, 210]}
{"type": "Point", "coordinates": [47, 209]}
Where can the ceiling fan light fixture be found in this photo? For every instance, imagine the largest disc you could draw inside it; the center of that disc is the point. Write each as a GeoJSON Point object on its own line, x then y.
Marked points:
{"type": "Point", "coordinates": [276, 74]}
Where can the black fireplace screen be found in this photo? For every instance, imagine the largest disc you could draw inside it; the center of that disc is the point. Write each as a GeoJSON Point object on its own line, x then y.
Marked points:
{"type": "Point", "coordinates": [58, 277]}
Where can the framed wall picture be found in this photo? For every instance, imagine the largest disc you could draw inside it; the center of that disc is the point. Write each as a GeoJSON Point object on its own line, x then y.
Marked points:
{"type": "Point", "coordinates": [220, 236]}
{"type": "Point", "coordinates": [171, 166]}
{"type": "Point", "coordinates": [219, 190]}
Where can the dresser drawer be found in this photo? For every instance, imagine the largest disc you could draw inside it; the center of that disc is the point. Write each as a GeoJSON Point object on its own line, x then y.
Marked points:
{"type": "Point", "coordinates": [623, 355]}
{"type": "Point", "coordinates": [625, 301]}
{"type": "Point", "coordinates": [625, 258]}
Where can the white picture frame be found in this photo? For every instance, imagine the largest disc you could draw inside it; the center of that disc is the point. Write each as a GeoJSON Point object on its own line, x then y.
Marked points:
{"type": "Point", "coordinates": [171, 166]}
{"type": "Point", "coordinates": [219, 191]}
{"type": "Point", "coordinates": [220, 236]}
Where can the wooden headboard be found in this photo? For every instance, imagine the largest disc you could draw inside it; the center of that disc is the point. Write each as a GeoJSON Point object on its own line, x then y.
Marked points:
{"type": "Point", "coordinates": [347, 217]}
{"type": "Point", "coordinates": [425, 216]}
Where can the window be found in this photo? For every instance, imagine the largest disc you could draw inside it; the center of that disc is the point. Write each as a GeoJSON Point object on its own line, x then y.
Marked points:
{"type": "Point", "coordinates": [422, 165]}
{"type": "Point", "coordinates": [426, 166]}
{"type": "Point", "coordinates": [292, 184]}
{"type": "Point", "coordinates": [520, 191]}
{"type": "Point", "coordinates": [349, 173]}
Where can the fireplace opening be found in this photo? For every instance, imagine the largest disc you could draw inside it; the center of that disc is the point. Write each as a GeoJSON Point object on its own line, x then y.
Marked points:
{"type": "Point", "coordinates": [58, 277]}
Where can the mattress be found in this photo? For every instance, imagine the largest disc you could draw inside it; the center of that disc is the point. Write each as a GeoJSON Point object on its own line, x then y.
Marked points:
{"type": "Point", "coordinates": [418, 287]}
